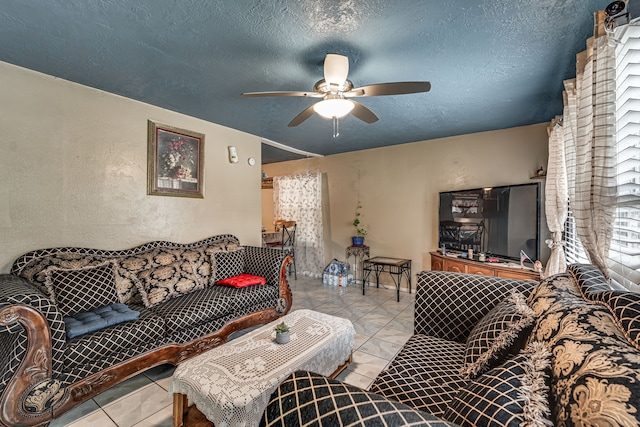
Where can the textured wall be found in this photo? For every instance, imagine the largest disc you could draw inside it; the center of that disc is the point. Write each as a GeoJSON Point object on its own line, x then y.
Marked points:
{"type": "Point", "coordinates": [399, 185]}
{"type": "Point", "coordinates": [73, 168]}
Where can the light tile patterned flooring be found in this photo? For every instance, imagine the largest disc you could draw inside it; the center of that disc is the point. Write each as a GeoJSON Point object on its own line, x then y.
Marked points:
{"type": "Point", "coordinates": [382, 326]}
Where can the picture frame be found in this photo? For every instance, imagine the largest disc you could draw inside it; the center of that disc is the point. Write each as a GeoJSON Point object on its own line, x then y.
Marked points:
{"type": "Point", "coordinates": [175, 161]}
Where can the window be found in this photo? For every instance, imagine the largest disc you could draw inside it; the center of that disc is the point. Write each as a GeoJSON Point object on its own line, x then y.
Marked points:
{"type": "Point", "coordinates": [573, 251]}
{"type": "Point", "coordinates": [624, 255]}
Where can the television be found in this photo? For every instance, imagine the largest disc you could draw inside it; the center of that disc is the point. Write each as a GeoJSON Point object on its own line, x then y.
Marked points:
{"type": "Point", "coordinates": [498, 221]}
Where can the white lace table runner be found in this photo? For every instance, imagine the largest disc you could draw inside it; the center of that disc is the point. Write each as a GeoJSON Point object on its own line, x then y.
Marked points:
{"type": "Point", "coordinates": [231, 384]}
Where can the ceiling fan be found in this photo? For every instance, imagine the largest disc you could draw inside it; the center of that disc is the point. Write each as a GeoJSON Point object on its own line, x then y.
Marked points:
{"type": "Point", "coordinates": [336, 92]}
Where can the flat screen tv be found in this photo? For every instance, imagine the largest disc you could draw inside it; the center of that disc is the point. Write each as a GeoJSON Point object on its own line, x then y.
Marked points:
{"type": "Point", "coordinates": [499, 221]}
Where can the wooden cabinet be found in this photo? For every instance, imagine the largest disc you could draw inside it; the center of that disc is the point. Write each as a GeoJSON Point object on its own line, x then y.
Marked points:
{"type": "Point", "coordinates": [441, 262]}
{"type": "Point", "coordinates": [479, 269]}
{"type": "Point", "coordinates": [519, 274]}
{"type": "Point", "coordinates": [453, 267]}
{"type": "Point", "coordinates": [437, 263]}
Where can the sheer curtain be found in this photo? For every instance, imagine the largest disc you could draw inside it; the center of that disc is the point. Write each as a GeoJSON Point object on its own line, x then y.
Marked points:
{"type": "Point", "coordinates": [299, 198]}
{"type": "Point", "coordinates": [593, 186]}
{"type": "Point", "coordinates": [589, 139]}
{"type": "Point", "coordinates": [556, 196]}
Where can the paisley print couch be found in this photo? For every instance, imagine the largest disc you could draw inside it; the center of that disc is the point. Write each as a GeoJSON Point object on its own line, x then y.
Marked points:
{"type": "Point", "coordinates": [76, 321]}
{"type": "Point", "coordinates": [493, 352]}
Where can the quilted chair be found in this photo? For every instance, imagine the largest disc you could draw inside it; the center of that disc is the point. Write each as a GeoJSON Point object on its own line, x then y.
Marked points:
{"type": "Point", "coordinates": [488, 351]}
{"type": "Point", "coordinates": [76, 321]}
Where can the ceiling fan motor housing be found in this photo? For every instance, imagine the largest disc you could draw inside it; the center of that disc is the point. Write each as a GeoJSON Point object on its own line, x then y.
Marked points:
{"type": "Point", "coordinates": [323, 87]}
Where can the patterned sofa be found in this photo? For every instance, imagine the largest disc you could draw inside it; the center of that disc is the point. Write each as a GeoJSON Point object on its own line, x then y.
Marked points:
{"type": "Point", "coordinates": [76, 321]}
{"type": "Point", "coordinates": [493, 352]}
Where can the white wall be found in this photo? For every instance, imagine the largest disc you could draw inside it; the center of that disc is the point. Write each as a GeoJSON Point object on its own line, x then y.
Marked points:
{"type": "Point", "coordinates": [267, 208]}
{"type": "Point", "coordinates": [73, 172]}
{"type": "Point", "coordinates": [399, 185]}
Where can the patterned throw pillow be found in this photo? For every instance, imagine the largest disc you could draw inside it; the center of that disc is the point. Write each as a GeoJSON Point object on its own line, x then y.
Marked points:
{"type": "Point", "coordinates": [164, 282]}
{"type": "Point", "coordinates": [82, 289]}
{"type": "Point", "coordinates": [202, 264]}
{"type": "Point", "coordinates": [496, 333]}
{"type": "Point", "coordinates": [229, 263]}
{"type": "Point", "coordinates": [512, 394]}
{"type": "Point", "coordinates": [130, 266]}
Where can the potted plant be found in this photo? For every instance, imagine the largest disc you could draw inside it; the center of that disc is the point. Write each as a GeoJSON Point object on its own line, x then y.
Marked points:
{"type": "Point", "coordinates": [358, 239]}
{"type": "Point", "coordinates": [282, 333]}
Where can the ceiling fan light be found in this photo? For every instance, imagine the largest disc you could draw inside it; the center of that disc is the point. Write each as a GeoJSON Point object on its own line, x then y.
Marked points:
{"type": "Point", "coordinates": [330, 108]}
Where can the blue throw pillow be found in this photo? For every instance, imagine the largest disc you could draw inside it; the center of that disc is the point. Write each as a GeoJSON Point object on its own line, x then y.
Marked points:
{"type": "Point", "coordinates": [98, 318]}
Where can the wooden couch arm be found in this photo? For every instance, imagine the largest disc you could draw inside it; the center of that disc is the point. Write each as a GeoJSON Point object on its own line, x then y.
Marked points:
{"type": "Point", "coordinates": [32, 337]}
{"type": "Point", "coordinates": [29, 392]}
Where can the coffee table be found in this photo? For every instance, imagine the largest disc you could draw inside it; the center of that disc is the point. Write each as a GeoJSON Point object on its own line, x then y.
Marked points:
{"type": "Point", "coordinates": [231, 384]}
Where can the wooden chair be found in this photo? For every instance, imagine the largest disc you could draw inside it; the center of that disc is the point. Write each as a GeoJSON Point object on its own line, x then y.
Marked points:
{"type": "Point", "coordinates": [277, 224]}
{"type": "Point", "coordinates": [288, 242]}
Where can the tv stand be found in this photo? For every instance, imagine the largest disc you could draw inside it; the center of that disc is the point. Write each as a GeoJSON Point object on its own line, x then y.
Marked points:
{"type": "Point", "coordinates": [454, 264]}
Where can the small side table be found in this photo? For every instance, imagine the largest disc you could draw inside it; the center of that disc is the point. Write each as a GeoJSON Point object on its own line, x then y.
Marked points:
{"type": "Point", "coordinates": [359, 253]}
{"type": "Point", "coordinates": [396, 267]}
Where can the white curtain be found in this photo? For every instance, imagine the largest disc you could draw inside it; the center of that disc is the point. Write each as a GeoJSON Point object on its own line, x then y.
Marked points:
{"type": "Point", "coordinates": [556, 196]}
{"type": "Point", "coordinates": [299, 198]}
{"type": "Point", "coordinates": [590, 149]}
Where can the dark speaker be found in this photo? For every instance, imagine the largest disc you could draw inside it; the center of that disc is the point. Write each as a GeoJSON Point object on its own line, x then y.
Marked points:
{"type": "Point", "coordinates": [616, 15]}
{"type": "Point", "coordinates": [616, 9]}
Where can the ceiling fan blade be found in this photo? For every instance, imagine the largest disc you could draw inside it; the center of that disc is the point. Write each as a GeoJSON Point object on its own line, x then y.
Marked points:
{"type": "Point", "coordinates": [336, 69]}
{"type": "Point", "coordinates": [363, 113]}
{"type": "Point", "coordinates": [397, 88]}
{"type": "Point", "coordinates": [282, 93]}
{"type": "Point", "coordinates": [304, 115]}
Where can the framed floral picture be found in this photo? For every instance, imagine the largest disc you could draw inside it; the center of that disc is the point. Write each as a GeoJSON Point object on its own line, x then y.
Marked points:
{"type": "Point", "coordinates": [175, 161]}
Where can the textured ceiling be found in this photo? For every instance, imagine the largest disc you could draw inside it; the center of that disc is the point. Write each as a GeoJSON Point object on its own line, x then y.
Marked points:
{"type": "Point", "coordinates": [492, 64]}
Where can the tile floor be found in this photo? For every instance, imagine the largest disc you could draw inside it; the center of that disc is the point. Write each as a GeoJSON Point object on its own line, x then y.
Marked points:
{"type": "Point", "coordinates": [382, 326]}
